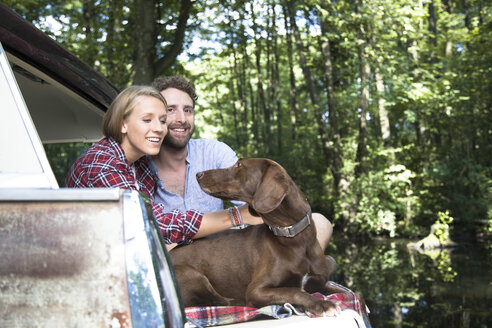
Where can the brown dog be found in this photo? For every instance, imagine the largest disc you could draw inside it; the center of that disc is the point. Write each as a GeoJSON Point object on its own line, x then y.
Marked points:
{"type": "Point", "coordinates": [252, 266]}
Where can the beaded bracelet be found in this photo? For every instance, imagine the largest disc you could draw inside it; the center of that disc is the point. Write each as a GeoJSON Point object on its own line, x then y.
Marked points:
{"type": "Point", "coordinates": [235, 216]}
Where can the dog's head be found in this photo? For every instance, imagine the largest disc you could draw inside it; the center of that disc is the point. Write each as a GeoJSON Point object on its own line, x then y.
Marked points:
{"type": "Point", "coordinates": [260, 182]}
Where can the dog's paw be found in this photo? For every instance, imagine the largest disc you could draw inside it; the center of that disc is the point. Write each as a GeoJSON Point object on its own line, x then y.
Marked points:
{"type": "Point", "coordinates": [326, 309]}
{"type": "Point", "coordinates": [332, 312]}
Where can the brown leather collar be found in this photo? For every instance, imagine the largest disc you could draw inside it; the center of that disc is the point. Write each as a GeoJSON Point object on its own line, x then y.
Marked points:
{"type": "Point", "coordinates": [293, 230]}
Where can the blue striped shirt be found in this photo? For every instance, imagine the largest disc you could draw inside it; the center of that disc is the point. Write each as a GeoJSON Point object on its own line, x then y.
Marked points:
{"type": "Point", "coordinates": [203, 154]}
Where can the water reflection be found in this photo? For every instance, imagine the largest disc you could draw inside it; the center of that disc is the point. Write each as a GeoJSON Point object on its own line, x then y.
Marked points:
{"type": "Point", "coordinates": [404, 288]}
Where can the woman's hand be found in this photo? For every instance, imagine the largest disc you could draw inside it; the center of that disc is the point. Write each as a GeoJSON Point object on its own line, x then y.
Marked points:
{"type": "Point", "coordinates": [171, 246]}
{"type": "Point", "coordinates": [220, 221]}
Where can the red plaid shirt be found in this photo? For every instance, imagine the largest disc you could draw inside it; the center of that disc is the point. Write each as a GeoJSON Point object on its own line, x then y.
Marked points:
{"type": "Point", "coordinates": [104, 165]}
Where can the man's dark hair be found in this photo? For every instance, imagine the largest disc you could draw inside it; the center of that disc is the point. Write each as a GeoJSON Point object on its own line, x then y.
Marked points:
{"type": "Point", "coordinates": [176, 82]}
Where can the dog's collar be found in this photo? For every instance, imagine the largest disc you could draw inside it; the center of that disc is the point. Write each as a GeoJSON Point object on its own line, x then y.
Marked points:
{"type": "Point", "coordinates": [294, 229]}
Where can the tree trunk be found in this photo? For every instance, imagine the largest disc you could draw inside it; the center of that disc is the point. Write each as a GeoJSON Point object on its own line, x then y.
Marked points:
{"type": "Point", "coordinates": [144, 54]}
{"type": "Point", "coordinates": [364, 73]}
{"type": "Point", "coordinates": [218, 101]}
{"type": "Point", "coordinates": [309, 84]}
{"type": "Point", "coordinates": [241, 95]}
{"type": "Point", "coordinates": [265, 123]}
{"type": "Point", "coordinates": [113, 27]}
{"type": "Point", "coordinates": [254, 111]}
{"type": "Point", "coordinates": [237, 132]}
{"type": "Point", "coordinates": [146, 64]}
{"type": "Point", "coordinates": [466, 12]}
{"type": "Point", "coordinates": [398, 315]}
{"type": "Point", "coordinates": [432, 30]}
{"type": "Point", "coordinates": [269, 104]}
{"type": "Point", "coordinates": [276, 85]}
{"type": "Point", "coordinates": [336, 159]}
{"type": "Point", "coordinates": [88, 13]}
{"type": "Point", "coordinates": [294, 106]}
{"type": "Point", "coordinates": [448, 6]}
{"type": "Point", "coordinates": [169, 57]}
{"type": "Point", "coordinates": [384, 122]}
{"type": "Point", "coordinates": [420, 125]}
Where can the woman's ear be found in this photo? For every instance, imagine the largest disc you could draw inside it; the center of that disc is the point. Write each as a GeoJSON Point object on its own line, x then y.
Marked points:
{"type": "Point", "coordinates": [124, 128]}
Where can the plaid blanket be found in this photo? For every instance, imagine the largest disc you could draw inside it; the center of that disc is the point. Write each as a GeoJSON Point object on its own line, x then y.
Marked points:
{"type": "Point", "coordinates": [223, 315]}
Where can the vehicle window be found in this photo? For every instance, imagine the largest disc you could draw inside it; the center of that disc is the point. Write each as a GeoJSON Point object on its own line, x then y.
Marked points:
{"type": "Point", "coordinates": [23, 162]}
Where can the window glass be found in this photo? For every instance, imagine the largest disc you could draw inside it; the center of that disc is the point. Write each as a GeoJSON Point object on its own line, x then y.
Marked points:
{"type": "Point", "coordinates": [23, 162]}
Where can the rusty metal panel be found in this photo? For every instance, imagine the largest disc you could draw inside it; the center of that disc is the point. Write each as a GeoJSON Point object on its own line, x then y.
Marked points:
{"type": "Point", "coordinates": [62, 264]}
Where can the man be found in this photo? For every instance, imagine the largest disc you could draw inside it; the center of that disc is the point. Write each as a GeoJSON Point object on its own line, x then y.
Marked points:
{"type": "Point", "coordinates": [181, 157]}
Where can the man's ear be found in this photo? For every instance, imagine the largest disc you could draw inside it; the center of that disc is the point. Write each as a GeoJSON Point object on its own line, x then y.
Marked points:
{"type": "Point", "coordinates": [271, 190]}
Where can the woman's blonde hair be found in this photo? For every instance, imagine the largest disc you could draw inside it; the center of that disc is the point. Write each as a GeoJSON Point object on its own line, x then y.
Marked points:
{"type": "Point", "coordinates": [122, 106]}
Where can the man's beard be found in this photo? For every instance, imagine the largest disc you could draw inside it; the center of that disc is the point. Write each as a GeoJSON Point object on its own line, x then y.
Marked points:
{"type": "Point", "coordinates": [178, 143]}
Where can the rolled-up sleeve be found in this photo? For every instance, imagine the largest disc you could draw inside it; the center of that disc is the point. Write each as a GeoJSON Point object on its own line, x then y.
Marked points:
{"type": "Point", "coordinates": [175, 226]}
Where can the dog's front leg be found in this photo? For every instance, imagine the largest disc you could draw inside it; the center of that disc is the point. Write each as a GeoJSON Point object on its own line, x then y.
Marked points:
{"type": "Point", "coordinates": [262, 296]}
{"type": "Point", "coordinates": [321, 268]}
{"type": "Point", "coordinates": [317, 283]}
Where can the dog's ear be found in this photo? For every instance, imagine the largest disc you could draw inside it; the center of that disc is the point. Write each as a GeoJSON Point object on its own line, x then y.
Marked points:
{"type": "Point", "coordinates": [271, 190]}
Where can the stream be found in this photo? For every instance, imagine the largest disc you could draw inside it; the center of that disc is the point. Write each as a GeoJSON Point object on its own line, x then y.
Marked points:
{"type": "Point", "coordinates": [406, 288]}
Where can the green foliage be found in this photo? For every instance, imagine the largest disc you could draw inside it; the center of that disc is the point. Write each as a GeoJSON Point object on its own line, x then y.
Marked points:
{"type": "Point", "coordinates": [385, 201]}
{"type": "Point", "coordinates": [102, 33]}
{"type": "Point", "coordinates": [442, 227]}
{"type": "Point", "coordinates": [445, 268]}
{"type": "Point", "coordinates": [433, 63]}
{"type": "Point", "coordinates": [463, 187]}
{"type": "Point", "coordinates": [61, 157]}
{"type": "Point", "coordinates": [406, 183]}
{"type": "Point", "coordinates": [97, 33]}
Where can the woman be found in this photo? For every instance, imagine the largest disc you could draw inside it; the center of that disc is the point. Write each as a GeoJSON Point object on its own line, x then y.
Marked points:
{"type": "Point", "coordinates": [134, 126]}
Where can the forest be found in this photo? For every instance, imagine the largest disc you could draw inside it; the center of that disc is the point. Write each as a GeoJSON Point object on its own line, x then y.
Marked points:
{"type": "Point", "coordinates": [380, 110]}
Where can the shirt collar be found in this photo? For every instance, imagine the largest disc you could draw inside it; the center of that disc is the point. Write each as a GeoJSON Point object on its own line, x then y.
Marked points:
{"type": "Point", "coordinates": [120, 153]}
{"type": "Point", "coordinates": [188, 156]}
{"type": "Point", "coordinates": [118, 150]}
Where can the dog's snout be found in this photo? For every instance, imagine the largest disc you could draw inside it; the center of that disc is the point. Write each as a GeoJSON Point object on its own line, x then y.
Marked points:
{"type": "Point", "coordinates": [199, 175]}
